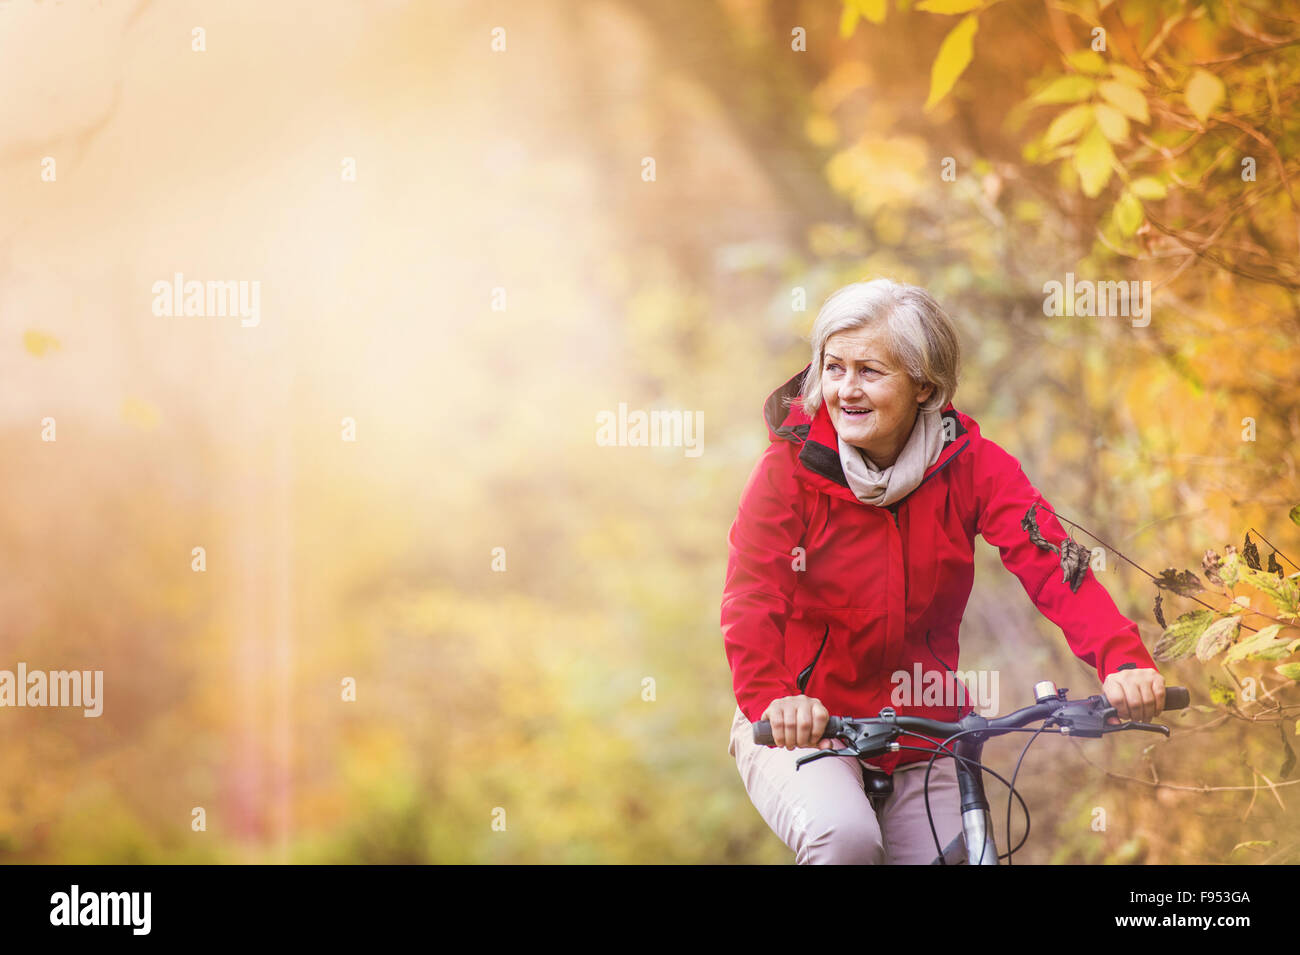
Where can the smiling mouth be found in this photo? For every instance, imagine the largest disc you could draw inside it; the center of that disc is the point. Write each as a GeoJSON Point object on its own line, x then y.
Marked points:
{"type": "Point", "coordinates": [855, 412]}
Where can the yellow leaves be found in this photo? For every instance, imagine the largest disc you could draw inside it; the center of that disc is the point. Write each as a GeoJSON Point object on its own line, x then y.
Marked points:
{"type": "Point", "coordinates": [1068, 125]}
{"type": "Point", "coordinates": [1127, 76]}
{"type": "Point", "coordinates": [949, 6]}
{"type": "Point", "coordinates": [38, 343]}
{"type": "Point", "coordinates": [1148, 188]}
{"type": "Point", "coordinates": [1126, 99]}
{"type": "Point", "coordinates": [873, 10]}
{"type": "Point", "coordinates": [139, 413]}
{"type": "Point", "coordinates": [1065, 89]}
{"type": "Point", "coordinates": [1094, 160]}
{"type": "Point", "coordinates": [1113, 123]}
{"type": "Point", "coordinates": [1112, 102]}
{"type": "Point", "coordinates": [821, 130]}
{"type": "Point", "coordinates": [1127, 214]}
{"type": "Point", "coordinates": [954, 56]}
{"type": "Point", "coordinates": [1204, 92]}
{"type": "Point", "coordinates": [1087, 61]}
{"type": "Point", "coordinates": [879, 169]}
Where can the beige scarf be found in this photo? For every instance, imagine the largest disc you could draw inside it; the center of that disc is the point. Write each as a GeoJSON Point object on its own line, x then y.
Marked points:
{"type": "Point", "coordinates": [874, 486]}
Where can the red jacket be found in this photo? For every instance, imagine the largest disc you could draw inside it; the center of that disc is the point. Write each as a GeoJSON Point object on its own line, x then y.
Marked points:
{"type": "Point", "coordinates": [872, 581]}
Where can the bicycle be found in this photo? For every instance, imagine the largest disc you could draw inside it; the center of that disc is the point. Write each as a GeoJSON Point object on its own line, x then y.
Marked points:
{"type": "Point", "coordinates": [870, 737]}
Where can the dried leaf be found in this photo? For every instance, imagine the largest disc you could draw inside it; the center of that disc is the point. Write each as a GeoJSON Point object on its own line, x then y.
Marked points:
{"type": "Point", "coordinates": [1210, 565]}
{"type": "Point", "coordinates": [1160, 613]}
{"type": "Point", "coordinates": [1184, 583]}
{"type": "Point", "coordinates": [1273, 566]}
{"type": "Point", "coordinates": [1250, 553]}
{"type": "Point", "coordinates": [1030, 523]}
{"type": "Point", "coordinates": [1074, 562]}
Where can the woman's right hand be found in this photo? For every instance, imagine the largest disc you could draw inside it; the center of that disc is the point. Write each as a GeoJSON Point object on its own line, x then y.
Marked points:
{"type": "Point", "coordinates": [798, 722]}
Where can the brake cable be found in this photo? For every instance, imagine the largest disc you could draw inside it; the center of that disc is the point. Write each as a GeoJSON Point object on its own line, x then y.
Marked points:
{"type": "Point", "coordinates": [1038, 732]}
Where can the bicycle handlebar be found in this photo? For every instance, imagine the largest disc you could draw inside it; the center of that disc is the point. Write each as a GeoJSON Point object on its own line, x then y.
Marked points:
{"type": "Point", "coordinates": [1080, 717]}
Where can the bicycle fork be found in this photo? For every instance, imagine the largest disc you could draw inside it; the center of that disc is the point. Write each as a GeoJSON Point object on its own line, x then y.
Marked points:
{"type": "Point", "coordinates": [975, 845]}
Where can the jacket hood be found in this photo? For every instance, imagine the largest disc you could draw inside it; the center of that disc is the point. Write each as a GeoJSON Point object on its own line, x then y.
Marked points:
{"type": "Point", "coordinates": [820, 453]}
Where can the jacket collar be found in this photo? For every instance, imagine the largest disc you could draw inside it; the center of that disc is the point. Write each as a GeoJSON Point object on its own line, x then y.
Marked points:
{"type": "Point", "coordinates": [820, 451]}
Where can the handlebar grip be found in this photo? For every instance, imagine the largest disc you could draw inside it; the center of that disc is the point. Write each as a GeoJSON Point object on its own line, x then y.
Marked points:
{"type": "Point", "coordinates": [763, 731]}
{"type": "Point", "coordinates": [1177, 697]}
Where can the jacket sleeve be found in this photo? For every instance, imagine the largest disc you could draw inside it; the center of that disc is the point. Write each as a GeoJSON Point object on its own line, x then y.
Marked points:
{"type": "Point", "coordinates": [758, 594]}
{"type": "Point", "coordinates": [1096, 631]}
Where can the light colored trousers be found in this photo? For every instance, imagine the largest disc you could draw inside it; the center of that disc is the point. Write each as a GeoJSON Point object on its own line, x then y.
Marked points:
{"type": "Point", "coordinates": [823, 814]}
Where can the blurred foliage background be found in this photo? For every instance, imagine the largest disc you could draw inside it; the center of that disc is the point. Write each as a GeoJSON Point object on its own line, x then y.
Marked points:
{"type": "Point", "coordinates": [977, 149]}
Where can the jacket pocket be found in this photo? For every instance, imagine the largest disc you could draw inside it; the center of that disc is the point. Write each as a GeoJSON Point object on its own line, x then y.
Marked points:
{"type": "Point", "coordinates": [805, 674]}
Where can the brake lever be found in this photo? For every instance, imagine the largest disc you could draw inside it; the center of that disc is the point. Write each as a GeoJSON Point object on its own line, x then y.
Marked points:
{"type": "Point", "coordinates": [1134, 725]}
{"type": "Point", "coordinates": [862, 744]}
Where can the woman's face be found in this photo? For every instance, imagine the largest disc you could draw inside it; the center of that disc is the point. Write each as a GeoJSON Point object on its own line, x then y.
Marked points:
{"type": "Point", "coordinates": [871, 400]}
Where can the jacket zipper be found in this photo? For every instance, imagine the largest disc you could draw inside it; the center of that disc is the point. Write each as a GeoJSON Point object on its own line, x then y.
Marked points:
{"type": "Point", "coordinates": [806, 673]}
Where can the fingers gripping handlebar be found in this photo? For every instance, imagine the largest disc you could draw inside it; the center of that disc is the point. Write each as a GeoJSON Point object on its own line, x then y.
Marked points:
{"type": "Point", "coordinates": [1076, 717]}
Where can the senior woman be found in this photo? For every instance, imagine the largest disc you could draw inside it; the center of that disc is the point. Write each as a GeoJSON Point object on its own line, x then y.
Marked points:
{"type": "Point", "coordinates": [851, 560]}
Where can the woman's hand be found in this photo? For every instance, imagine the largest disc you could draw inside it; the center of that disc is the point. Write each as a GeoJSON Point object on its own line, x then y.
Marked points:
{"type": "Point", "coordinates": [1136, 694]}
{"type": "Point", "coordinates": [798, 722]}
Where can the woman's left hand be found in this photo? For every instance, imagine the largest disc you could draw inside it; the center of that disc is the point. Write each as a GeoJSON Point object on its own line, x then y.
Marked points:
{"type": "Point", "coordinates": [1136, 694]}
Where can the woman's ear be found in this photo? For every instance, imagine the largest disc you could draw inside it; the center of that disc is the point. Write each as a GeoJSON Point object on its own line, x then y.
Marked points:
{"type": "Point", "coordinates": [924, 394]}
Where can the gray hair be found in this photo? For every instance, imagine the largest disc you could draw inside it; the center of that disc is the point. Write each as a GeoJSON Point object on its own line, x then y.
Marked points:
{"type": "Point", "coordinates": [919, 332]}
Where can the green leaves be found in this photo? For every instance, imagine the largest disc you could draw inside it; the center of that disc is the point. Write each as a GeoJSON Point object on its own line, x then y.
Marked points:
{"type": "Point", "coordinates": [954, 56]}
{"type": "Point", "coordinates": [1216, 637]}
{"type": "Point", "coordinates": [1204, 92]}
{"type": "Point", "coordinates": [1289, 670]}
{"type": "Point", "coordinates": [1284, 591]}
{"type": "Point", "coordinates": [1261, 646]}
{"type": "Point", "coordinates": [1180, 638]}
{"type": "Point", "coordinates": [1094, 161]}
{"type": "Point", "coordinates": [1295, 514]}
